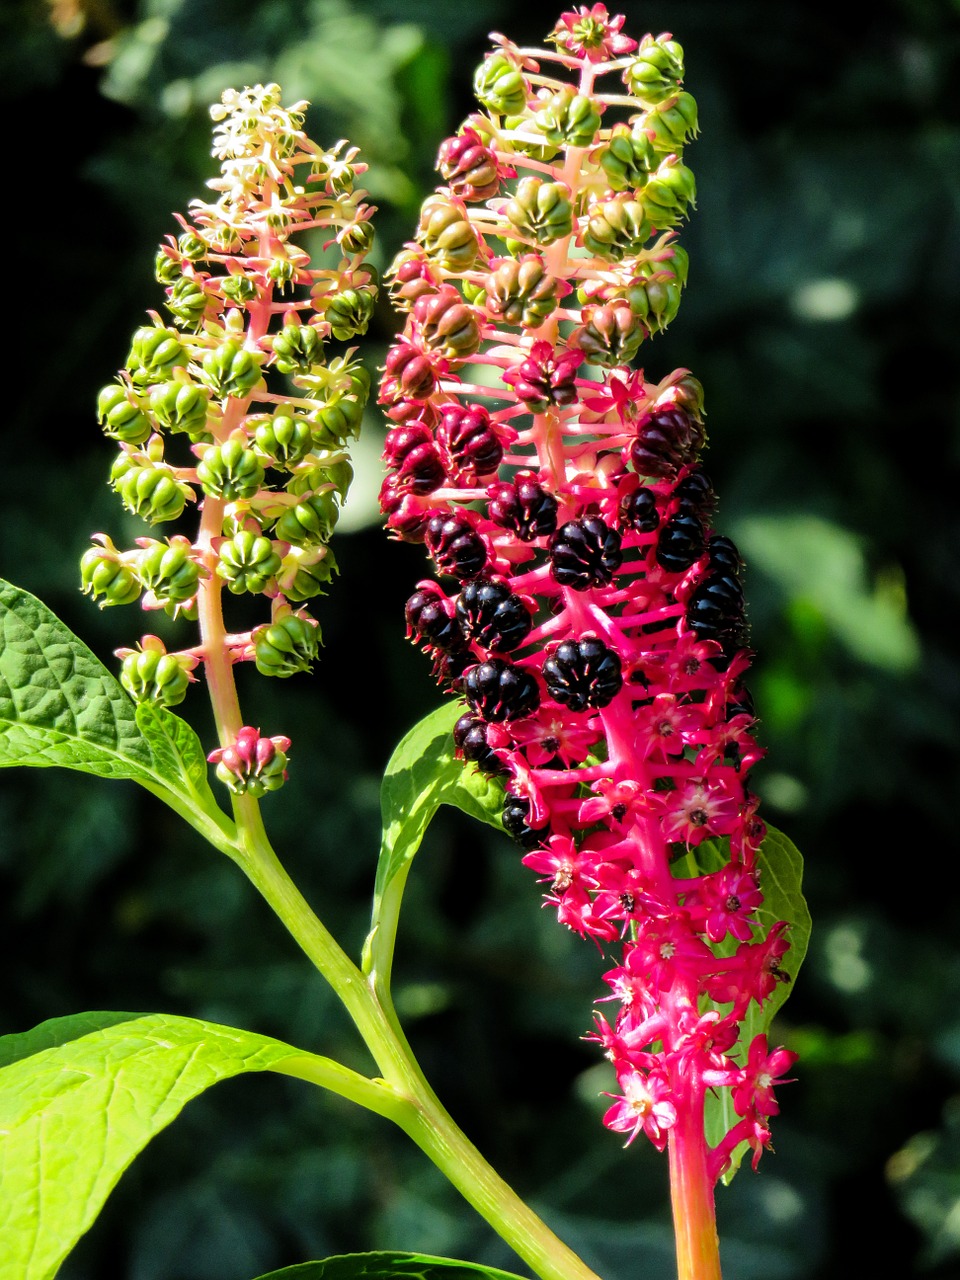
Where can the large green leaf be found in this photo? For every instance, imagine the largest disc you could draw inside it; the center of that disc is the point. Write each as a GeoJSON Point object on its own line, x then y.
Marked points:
{"type": "Point", "coordinates": [60, 706]}
{"type": "Point", "coordinates": [781, 874]}
{"type": "Point", "coordinates": [385, 1266]}
{"type": "Point", "coordinates": [422, 774]}
{"type": "Point", "coordinates": [80, 1097]}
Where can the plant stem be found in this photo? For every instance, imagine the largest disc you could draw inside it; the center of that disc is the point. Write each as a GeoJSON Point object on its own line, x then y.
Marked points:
{"type": "Point", "coordinates": [417, 1109]}
{"type": "Point", "coordinates": [691, 1192]}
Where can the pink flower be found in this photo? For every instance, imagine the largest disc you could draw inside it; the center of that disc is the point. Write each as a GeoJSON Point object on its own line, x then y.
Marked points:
{"type": "Point", "coordinates": [591, 34]}
{"type": "Point", "coordinates": [753, 1090]}
{"type": "Point", "coordinates": [646, 1106]}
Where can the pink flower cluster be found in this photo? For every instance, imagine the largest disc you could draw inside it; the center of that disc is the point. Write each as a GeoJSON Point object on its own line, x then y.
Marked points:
{"type": "Point", "coordinates": [583, 606]}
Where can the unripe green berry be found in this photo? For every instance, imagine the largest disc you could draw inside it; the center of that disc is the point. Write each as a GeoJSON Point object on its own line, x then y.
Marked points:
{"type": "Point", "coordinates": [338, 420]}
{"type": "Point", "coordinates": [148, 489]}
{"type": "Point", "coordinates": [540, 210]}
{"type": "Point", "coordinates": [520, 291]}
{"type": "Point", "coordinates": [306, 572]}
{"type": "Point", "coordinates": [230, 470]}
{"type": "Point", "coordinates": [181, 406]}
{"type": "Point", "coordinates": [656, 71]}
{"type": "Point", "coordinates": [500, 86]}
{"type": "Point", "coordinates": [297, 348]}
{"type": "Point", "coordinates": [283, 439]}
{"type": "Point", "coordinates": [517, 130]}
{"type": "Point", "coordinates": [151, 675]}
{"type": "Point", "coordinates": [247, 562]}
{"type": "Point", "coordinates": [671, 124]}
{"type": "Point", "coordinates": [187, 302]}
{"type": "Point", "coordinates": [349, 312]}
{"type": "Point", "coordinates": [191, 246]}
{"type": "Point", "coordinates": [358, 237]}
{"type": "Point", "coordinates": [168, 570]}
{"type": "Point", "coordinates": [239, 288]}
{"type": "Point", "coordinates": [447, 236]}
{"type": "Point", "coordinates": [569, 118]}
{"type": "Point", "coordinates": [669, 192]}
{"type": "Point", "coordinates": [286, 646]}
{"type": "Point", "coordinates": [616, 228]}
{"type": "Point", "coordinates": [120, 415]}
{"type": "Point", "coordinates": [167, 268]}
{"type": "Point", "coordinates": [154, 354]}
{"type": "Point", "coordinates": [311, 521]}
{"type": "Point", "coordinates": [232, 370]}
{"type": "Point", "coordinates": [611, 334]}
{"type": "Point", "coordinates": [106, 577]}
{"type": "Point", "coordinates": [627, 158]}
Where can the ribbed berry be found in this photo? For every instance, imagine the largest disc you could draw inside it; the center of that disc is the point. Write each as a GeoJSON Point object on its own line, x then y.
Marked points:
{"type": "Point", "coordinates": [681, 542]}
{"type": "Point", "coordinates": [411, 452]}
{"type": "Point", "coordinates": [455, 545]}
{"type": "Point", "coordinates": [715, 609]}
{"type": "Point", "coordinates": [583, 673]}
{"type": "Point", "coordinates": [523, 506]}
{"type": "Point", "coordinates": [468, 442]}
{"type": "Point", "coordinates": [724, 556]}
{"type": "Point", "coordinates": [637, 510]}
{"type": "Point", "coordinates": [499, 691]}
{"type": "Point", "coordinates": [695, 494]}
{"type": "Point", "coordinates": [470, 739]}
{"type": "Point", "coordinates": [490, 614]}
{"type": "Point", "coordinates": [430, 619]}
{"type": "Point", "coordinates": [516, 822]}
{"type": "Point", "coordinates": [585, 553]}
{"type": "Point", "coordinates": [666, 441]}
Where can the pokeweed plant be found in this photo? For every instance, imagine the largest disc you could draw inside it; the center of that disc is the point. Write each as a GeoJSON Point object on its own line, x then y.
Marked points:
{"type": "Point", "coordinates": [586, 623]}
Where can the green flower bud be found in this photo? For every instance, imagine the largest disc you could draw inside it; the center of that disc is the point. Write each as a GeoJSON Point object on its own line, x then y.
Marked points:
{"type": "Point", "coordinates": [168, 569]}
{"type": "Point", "coordinates": [106, 576]}
{"type": "Point", "coordinates": [283, 439]}
{"type": "Point", "coordinates": [611, 335]}
{"type": "Point", "coordinates": [669, 192]}
{"type": "Point", "coordinates": [181, 406]}
{"type": "Point", "coordinates": [297, 348]}
{"type": "Point", "coordinates": [247, 562]}
{"type": "Point", "coordinates": [311, 521]}
{"type": "Point", "coordinates": [150, 674]}
{"type": "Point", "coordinates": [540, 210]}
{"type": "Point", "coordinates": [671, 124]}
{"type": "Point", "coordinates": [655, 73]}
{"type": "Point", "coordinates": [616, 228]}
{"type": "Point", "coordinates": [187, 302]}
{"type": "Point", "coordinates": [120, 415]}
{"type": "Point", "coordinates": [446, 234]}
{"type": "Point", "coordinates": [349, 312]}
{"type": "Point", "coordinates": [499, 85]}
{"type": "Point", "coordinates": [306, 572]}
{"type": "Point", "coordinates": [287, 645]}
{"type": "Point", "coordinates": [232, 370]}
{"type": "Point", "coordinates": [154, 354]}
{"type": "Point", "coordinates": [230, 470]}
{"type": "Point", "coordinates": [520, 292]}
{"type": "Point", "coordinates": [627, 158]}
{"type": "Point", "coordinates": [569, 118]}
{"type": "Point", "coordinates": [149, 489]}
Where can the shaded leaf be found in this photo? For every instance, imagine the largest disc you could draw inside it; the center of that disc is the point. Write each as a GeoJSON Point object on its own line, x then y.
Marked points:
{"type": "Point", "coordinates": [387, 1264]}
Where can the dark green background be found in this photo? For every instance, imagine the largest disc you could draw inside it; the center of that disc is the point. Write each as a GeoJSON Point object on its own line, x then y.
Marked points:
{"type": "Point", "coordinates": [822, 318]}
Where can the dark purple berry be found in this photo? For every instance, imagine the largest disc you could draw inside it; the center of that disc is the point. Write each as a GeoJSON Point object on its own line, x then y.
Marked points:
{"type": "Point", "coordinates": [498, 691]}
{"type": "Point", "coordinates": [468, 442]}
{"type": "Point", "coordinates": [638, 510]}
{"type": "Point", "coordinates": [455, 545]}
{"type": "Point", "coordinates": [724, 556]}
{"type": "Point", "coordinates": [681, 541]}
{"type": "Point", "coordinates": [668, 440]}
{"type": "Point", "coordinates": [695, 494]}
{"type": "Point", "coordinates": [715, 609]}
{"type": "Point", "coordinates": [583, 673]}
{"type": "Point", "coordinates": [516, 822]}
{"type": "Point", "coordinates": [470, 739]}
{"type": "Point", "coordinates": [523, 506]}
{"type": "Point", "coordinates": [585, 553]}
{"type": "Point", "coordinates": [430, 619]}
{"type": "Point", "coordinates": [490, 614]}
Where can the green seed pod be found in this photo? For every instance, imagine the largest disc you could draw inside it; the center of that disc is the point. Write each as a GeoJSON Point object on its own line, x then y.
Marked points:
{"type": "Point", "coordinates": [286, 646]}
{"type": "Point", "coordinates": [230, 470]}
{"type": "Point", "coordinates": [520, 292]}
{"type": "Point", "coordinates": [149, 489]}
{"type": "Point", "coordinates": [181, 406]}
{"type": "Point", "coordinates": [569, 119]}
{"type": "Point", "coordinates": [499, 85]}
{"type": "Point", "coordinates": [616, 228]}
{"type": "Point", "coordinates": [151, 675]}
{"type": "Point", "coordinates": [311, 521]}
{"type": "Point", "coordinates": [349, 312]}
{"type": "Point", "coordinates": [671, 124]}
{"type": "Point", "coordinates": [106, 577]}
{"type": "Point", "coordinates": [187, 302]}
{"type": "Point", "coordinates": [627, 158]}
{"type": "Point", "coordinates": [154, 354]}
{"type": "Point", "coordinates": [168, 570]}
{"type": "Point", "coordinates": [669, 193]}
{"type": "Point", "coordinates": [448, 239]}
{"type": "Point", "coordinates": [247, 562]}
{"type": "Point", "coordinates": [540, 210]}
{"type": "Point", "coordinates": [655, 73]}
{"type": "Point", "coordinates": [306, 572]}
{"type": "Point", "coordinates": [239, 288]}
{"type": "Point", "coordinates": [297, 348]}
{"type": "Point", "coordinates": [447, 325]}
{"type": "Point", "coordinates": [232, 370]}
{"type": "Point", "coordinates": [283, 439]}
{"type": "Point", "coordinates": [611, 334]}
{"type": "Point", "coordinates": [120, 415]}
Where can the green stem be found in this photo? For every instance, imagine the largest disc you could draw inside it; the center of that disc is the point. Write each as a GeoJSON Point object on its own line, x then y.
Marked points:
{"type": "Point", "coordinates": [412, 1105]}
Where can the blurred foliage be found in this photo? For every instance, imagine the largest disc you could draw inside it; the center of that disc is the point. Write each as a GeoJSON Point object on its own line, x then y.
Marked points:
{"type": "Point", "coordinates": [822, 318]}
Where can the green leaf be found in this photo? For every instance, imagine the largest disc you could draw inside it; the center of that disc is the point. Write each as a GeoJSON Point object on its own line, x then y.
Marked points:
{"type": "Point", "coordinates": [60, 706]}
{"type": "Point", "coordinates": [422, 774]}
{"type": "Point", "coordinates": [385, 1266]}
{"type": "Point", "coordinates": [781, 874]}
{"type": "Point", "coordinates": [80, 1097]}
